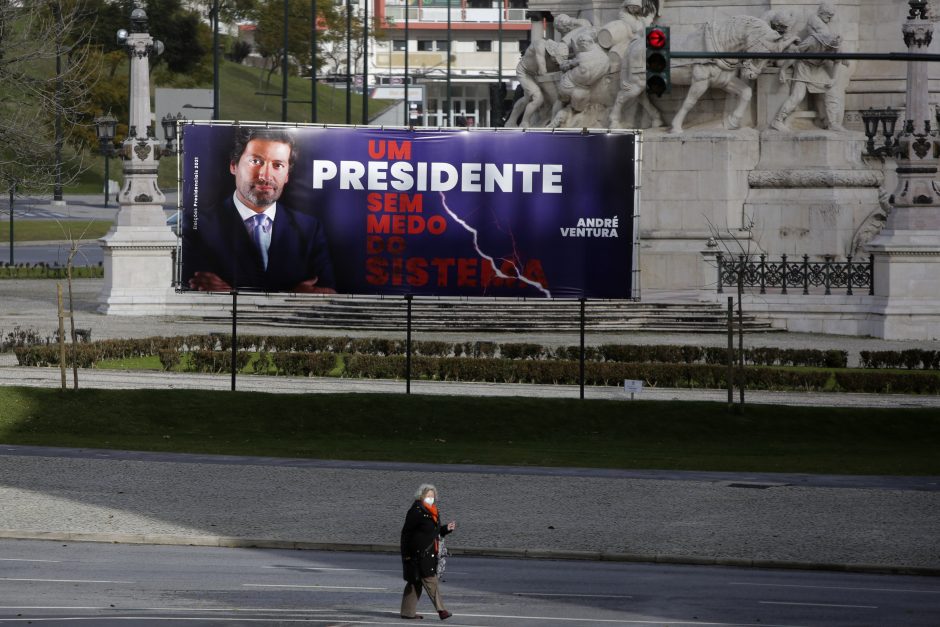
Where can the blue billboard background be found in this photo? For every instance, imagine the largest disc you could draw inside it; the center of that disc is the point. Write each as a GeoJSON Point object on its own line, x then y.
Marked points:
{"type": "Point", "coordinates": [542, 215]}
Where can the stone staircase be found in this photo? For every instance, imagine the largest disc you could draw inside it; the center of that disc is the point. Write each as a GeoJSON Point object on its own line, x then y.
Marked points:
{"type": "Point", "coordinates": [482, 314]}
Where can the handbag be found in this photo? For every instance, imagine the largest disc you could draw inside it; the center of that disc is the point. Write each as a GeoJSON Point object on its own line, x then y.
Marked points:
{"type": "Point", "coordinates": [442, 554]}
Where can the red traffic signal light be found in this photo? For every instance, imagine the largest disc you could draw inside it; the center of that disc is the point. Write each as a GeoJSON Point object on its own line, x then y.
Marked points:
{"type": "Point", "coordinates": [656, 38]}
{"type": "Point", "coordinates": [658, 81]}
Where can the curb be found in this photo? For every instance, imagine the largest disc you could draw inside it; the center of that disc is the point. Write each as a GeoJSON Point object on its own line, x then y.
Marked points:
{"type": "Point", "coordinates": [542, 554]}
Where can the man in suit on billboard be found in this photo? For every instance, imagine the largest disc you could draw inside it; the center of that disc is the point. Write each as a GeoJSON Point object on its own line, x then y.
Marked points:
{"type": "Point", "coordinates": [250, 240]}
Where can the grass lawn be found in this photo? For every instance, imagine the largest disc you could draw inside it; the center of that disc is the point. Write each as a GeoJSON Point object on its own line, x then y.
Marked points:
{"type": "Point", "coordinates": [43, 230]}
{"type": "Point", "coordinates": [512, 431]}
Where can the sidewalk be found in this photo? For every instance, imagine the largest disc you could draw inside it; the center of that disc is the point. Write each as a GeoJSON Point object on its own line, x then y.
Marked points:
{"type": "Point", "coordinates": [11, 375]}
{"type": "Point", "coordinates": [780, 521]}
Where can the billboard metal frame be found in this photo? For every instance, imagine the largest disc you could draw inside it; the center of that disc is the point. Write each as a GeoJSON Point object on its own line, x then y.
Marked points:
{"type": "Point", "coordinates": [635, 288]}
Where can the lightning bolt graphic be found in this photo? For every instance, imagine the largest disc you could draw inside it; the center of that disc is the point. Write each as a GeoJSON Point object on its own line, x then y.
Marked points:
{"type": "Point", "coordinates": [491, 260]}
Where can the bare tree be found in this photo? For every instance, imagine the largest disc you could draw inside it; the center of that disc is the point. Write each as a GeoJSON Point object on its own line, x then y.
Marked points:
{"type": "Point", "coordinates": [740, 245]}
{"type": "Point", "coordinates": [47, 69]}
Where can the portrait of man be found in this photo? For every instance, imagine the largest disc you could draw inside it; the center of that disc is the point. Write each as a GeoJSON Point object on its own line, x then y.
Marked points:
{"type": "Point", "coordinates": [250, 240]}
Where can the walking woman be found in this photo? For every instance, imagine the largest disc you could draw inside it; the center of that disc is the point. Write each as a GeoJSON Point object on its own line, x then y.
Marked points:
{"type": "Point", "coordinates": [420, 545]}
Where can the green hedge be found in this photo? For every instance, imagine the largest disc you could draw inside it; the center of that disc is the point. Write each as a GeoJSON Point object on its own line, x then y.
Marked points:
{"type": "Point", "coordinates": [911, 359]}
{"type": "Point", "coordinates": [46, 271]}
{"type": "Point", "coordinates": [607, 364]}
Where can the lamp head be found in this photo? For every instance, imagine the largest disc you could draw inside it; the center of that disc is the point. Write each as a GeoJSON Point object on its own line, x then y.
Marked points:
{"type": "Point", "coordinates": [139, 21]}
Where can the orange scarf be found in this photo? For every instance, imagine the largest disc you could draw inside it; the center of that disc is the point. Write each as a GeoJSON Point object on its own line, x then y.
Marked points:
{"type": "Point", "coordinates": [432, 509]}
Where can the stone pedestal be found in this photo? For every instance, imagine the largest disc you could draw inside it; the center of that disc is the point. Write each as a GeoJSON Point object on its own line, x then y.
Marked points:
{"type": "Point", "coordinates": [810, 192]}
{"type": "Point", "coordinates": [138, 264]}
{"type": "Point", "coordinates": [907, 284]}
{"type": "Point", "coordinates": [694, 186]}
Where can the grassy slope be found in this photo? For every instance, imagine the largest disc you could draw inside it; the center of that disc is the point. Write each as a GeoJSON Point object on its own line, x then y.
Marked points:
{"type": "Point", "coordinates": [43, 230]}
{"type": "Point", "coordinates": [516, 431]}
{"type": "Point", "coordinates": [239, 102]}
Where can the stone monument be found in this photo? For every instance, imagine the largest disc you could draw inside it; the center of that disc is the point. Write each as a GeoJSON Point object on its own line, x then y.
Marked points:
{"type": "Point", "coordinates": [767, 158]}
{"type": "Point", "coordinates": [138, 250]}
{"type": "Point", "coordinates": [907, 251]}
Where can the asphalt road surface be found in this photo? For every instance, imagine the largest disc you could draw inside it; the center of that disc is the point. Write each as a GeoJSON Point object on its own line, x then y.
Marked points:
{"type": "Point", "coordinates": [49, 583]}
{"type": "Point", "coordinates": [90, 253]}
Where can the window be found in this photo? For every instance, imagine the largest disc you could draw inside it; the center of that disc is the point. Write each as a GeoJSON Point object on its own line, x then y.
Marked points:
{"type": "Point", "coordinates": [484, 45]}
{"type": "Point", "coordinates": [441, 45]}
{"type": "Point", "coordinates": [425, 45]}
{"type": "Point", "coordinates": [523, 45]}
{"type": "Point", "coordinates": [398, 45]}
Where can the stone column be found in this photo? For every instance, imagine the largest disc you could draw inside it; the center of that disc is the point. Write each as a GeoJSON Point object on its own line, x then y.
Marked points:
{"type": "Point", "coordinates": [138, 250]}
{"type": "Point", "coordinates": [907, 251]}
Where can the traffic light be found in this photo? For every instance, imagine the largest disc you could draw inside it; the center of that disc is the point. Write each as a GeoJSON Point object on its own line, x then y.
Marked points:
{"type": "Point", "coordinates": [657, 60]}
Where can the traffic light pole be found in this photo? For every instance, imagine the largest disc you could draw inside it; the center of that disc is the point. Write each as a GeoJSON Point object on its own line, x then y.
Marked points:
{"type": "Point", "coordinates": [831, 56]}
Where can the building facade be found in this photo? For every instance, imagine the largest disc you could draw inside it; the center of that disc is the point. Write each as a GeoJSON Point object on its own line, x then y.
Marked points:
{"type": "Point", "coordinates": [485, 39]}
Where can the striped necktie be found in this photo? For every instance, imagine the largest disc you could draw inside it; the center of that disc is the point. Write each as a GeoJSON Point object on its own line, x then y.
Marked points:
{"type": "Point", "coordinates": [260, 227]}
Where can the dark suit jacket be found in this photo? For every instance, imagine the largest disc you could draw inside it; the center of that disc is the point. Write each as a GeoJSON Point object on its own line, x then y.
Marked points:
{"type": "Point", "coordinates": [219, 243]}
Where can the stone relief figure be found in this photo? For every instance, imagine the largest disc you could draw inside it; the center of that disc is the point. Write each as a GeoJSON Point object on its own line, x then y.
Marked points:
{"type": "Point", "coordinates": [582, 76]}
{"type": "Point", "coordinates": [815, 76]}
{"type": "Point", "coordinates": [538, 72]}
{"type": "Point", "coordinates": [570, 27]}
{"type": "Point", "coordinates": [625, 39]}
{"type": "Point", "coordinates": [872, 225]}
{"type": "Point", "coordinates": [740, 33]}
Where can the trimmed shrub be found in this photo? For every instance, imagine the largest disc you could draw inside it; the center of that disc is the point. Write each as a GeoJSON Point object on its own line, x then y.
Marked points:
{"type": "Point", "coordinates": [216, 361]}
{"type": "Point", "coordinates": [521, 350]}
{"type": "Point", "coordinates": [303, 364]}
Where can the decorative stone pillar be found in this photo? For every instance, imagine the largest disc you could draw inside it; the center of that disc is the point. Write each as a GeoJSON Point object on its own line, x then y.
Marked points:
{"type": "Point", "coordinates": [138, 250]}
{"type": "Point", "coordinates": [907, 251]}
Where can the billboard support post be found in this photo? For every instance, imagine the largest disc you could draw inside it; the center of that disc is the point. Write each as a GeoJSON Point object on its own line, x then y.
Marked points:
{"type": "Point", "coordinates": [730, 353]}
{"type": "Point", "coordinates": [408, 298]}
{"type": "Point", "coordinates": [234, 336]}
{"type": "Point", "coordinates": [581, 359]}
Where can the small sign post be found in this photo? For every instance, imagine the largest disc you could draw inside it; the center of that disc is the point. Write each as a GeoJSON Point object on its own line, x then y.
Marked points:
{"type": "Point", "coordinates": [633, 386]}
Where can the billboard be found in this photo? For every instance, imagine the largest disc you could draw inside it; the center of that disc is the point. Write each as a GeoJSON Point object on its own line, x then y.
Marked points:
{"type": "Point", "coordinates": [395, 211]}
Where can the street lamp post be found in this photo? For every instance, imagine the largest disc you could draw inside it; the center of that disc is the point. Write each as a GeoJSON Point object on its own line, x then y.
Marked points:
{"type": "Point", "coordinates": [138, 250]}
{"type": "Point", "coordinates": [171, 132]}
{"type": "Point", "coordinates": [104, 127]}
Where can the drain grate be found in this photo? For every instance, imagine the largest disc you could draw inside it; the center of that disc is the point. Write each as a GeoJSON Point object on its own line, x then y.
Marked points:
{"type": "Point", "coordinates": [753, 486]}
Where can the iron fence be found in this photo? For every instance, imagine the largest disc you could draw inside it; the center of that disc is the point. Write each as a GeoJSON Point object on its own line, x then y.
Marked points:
{"type": "Point", "coordinates": [784, 274]}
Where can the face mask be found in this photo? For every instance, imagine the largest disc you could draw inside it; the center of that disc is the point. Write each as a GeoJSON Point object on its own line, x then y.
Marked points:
{"type": "Point", "coordinates": [429, 500]}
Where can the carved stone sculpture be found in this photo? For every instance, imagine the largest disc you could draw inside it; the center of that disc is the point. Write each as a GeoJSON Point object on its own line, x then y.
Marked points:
{"type": "Point", "coordinates": [538, 72]}
{"type": "Point", "coordinates": [815, 76]}
{"type": "Point", "coordinates": [581, 82]}
{"type": "Point", "coordinates": [740, 33]}
{"type": "Point", "coordinates": [624, 39]}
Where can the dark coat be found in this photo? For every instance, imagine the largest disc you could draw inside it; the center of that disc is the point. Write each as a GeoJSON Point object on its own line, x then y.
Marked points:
{"type": "Point", "coordinates": [418, 537]}
{"type": "Point", "coordinates": [216, 240]}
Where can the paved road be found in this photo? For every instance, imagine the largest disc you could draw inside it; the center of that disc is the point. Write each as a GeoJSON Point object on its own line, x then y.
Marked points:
{"type": "Point", "coordinates": [77, 207]}
{"type": "Point", "coordinates": [701, 518]}
{"type": "Point", "coordinates": [56, 253]}
{"type": "Point", "coordinates": [55, 582]}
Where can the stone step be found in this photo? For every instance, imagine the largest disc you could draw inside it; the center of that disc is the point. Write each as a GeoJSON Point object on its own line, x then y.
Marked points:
{"type": "Point", "coordinates": [386, 314]}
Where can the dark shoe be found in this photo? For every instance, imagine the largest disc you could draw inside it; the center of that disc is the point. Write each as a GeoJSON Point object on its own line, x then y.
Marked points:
{"type": "Point", "coordinates": [413, 617]}
{"type": "Point", "coordinates": [444, 614]}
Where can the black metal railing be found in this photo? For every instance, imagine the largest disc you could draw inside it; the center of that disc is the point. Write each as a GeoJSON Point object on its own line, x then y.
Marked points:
{"type": "Point", "coordinates": [805, 275]}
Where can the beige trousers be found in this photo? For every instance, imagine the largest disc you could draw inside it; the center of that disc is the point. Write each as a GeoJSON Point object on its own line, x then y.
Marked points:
{"type": "Point", "coordinates": [409, 599]}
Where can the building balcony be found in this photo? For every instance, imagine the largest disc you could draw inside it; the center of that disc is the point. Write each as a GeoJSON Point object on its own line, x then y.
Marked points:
{"type": "Point", "coordinates": [423, 61]}
{"type": "Point", "coordinates": [396, 14]}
